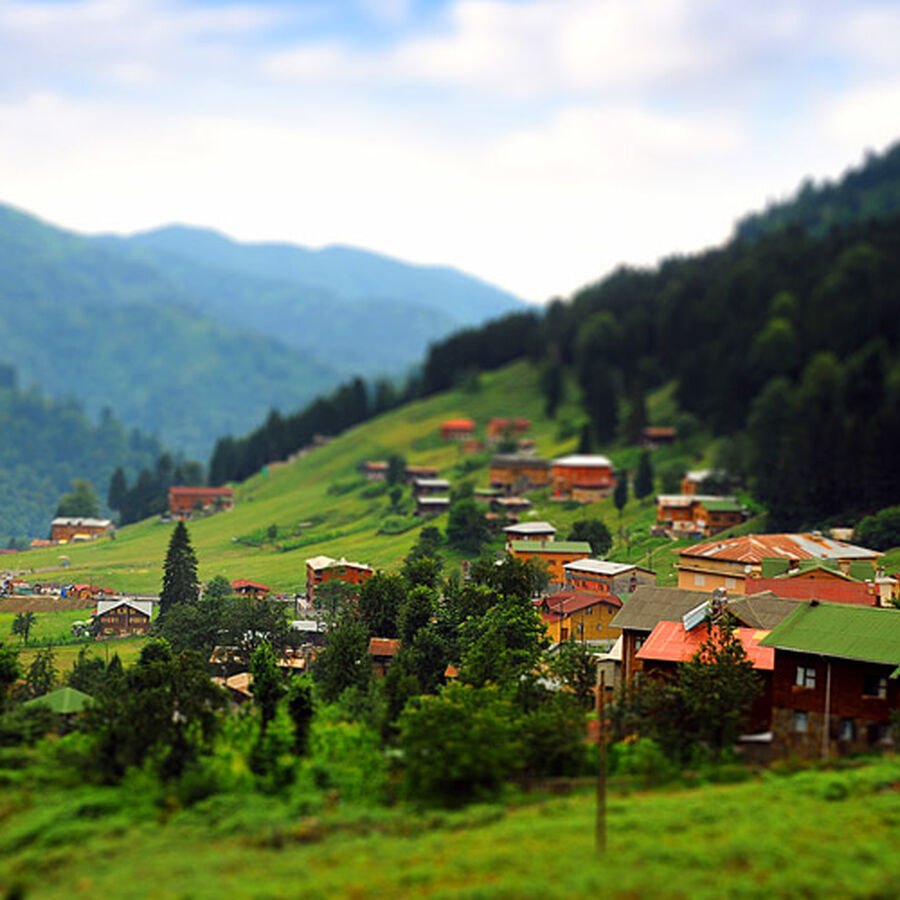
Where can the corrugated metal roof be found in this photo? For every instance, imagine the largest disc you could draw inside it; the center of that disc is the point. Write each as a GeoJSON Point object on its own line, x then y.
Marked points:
{"type": "Point", "coordinates": [551, 547]}
{"type": "Point", "coordinates": [586, 460]}
{"type": "Point", "coordinates": [763, 610]}
{"type": "Point", "coordinates": [82, 522]}
{"type": "Point", "coordinates": [520, 459]}
{"type": "Point", "coordinates": [319, 562]}
{"type": "Point", "coordinates": [603, 567]}
{"type": "Point", "coordinates": [669, 642]}
{"type": "Point", "coordinates": [564, 603]}
{"type": "Point", "coordinates": [142, 606]}
{"type": "Point", "coordinates": [865, 633]}
{"type": "Point", "coordinates": [720, 504]}
{"type": "Point", "coordinates": [383, 646]}
{"type": "Point", "coordinates": [530, 528]}
{"type": "Point", "coordinates": [753, 548]}
{"type": "Point", "coordinates": [650, 604]}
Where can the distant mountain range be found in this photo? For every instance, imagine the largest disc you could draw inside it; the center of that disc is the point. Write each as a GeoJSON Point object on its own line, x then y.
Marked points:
{"type": "Point", "coordinates": [188, 334]}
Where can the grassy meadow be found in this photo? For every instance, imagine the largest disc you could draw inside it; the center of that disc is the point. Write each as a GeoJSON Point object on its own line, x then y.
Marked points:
{"type": "Point", "coordinates": [321, 503]}
{"type": "Point", "coordinates": [811, 834]}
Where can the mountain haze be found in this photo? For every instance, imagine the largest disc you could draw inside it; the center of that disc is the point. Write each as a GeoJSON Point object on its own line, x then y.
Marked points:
{"type": "Point", "coordinates": [187, 334]}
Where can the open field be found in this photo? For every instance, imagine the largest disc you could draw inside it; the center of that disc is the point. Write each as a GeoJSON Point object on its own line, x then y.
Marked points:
{"type": "Point", "coordinates": [813, 834]}
{"type": "Point", "coordinates": [321, 500]}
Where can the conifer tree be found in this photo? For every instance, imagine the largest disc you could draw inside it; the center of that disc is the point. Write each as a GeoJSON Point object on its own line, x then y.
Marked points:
{"type": "Point", "coordinates": [620, 494]}
{"type": "Point", "coordinates": [643, 479]}
{"type": "Point", "coordinates": [180, 584]}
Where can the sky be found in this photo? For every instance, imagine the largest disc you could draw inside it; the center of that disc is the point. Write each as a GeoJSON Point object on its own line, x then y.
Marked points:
{"type": "Point", "coordinates": [534, 143]}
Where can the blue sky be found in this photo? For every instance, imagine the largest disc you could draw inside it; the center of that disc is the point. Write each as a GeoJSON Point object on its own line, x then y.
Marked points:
{"type": "Point", "coordinates": [535, 143]}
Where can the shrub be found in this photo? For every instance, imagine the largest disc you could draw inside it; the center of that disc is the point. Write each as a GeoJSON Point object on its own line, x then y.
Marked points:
{"type": "Point", "coordinates": [458, 746]}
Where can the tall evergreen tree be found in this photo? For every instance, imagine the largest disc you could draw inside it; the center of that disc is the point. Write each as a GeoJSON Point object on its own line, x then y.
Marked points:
{"type": "Point", "coordinates": [620, 494]}
{"type": "Point", "coordinates": [180, 584]}
{"type": "Point", "coordinates": [643, 479]}
{"type": "Point", "coordinates": [118, 490]}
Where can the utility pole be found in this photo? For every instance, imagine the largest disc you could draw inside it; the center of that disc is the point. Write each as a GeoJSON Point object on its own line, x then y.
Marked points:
{"type": "Point", "coordinates": [601, 766]}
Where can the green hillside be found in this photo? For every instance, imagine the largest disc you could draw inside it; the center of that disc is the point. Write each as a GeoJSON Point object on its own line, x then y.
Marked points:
{"type": "Point", "coordinates": [325, 490]}
{"type": "Point", "coordinates": [774, 836]}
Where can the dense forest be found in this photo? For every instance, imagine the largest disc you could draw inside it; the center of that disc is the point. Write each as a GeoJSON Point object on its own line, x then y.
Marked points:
{"type": "Point", "coordinates": [46, 444]}
{"type": "Point", "coordinates": [784, 341]}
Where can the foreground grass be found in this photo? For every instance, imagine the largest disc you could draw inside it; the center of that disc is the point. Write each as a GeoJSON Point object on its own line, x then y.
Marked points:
{"type": "Point", "coordinates": [814, 834]}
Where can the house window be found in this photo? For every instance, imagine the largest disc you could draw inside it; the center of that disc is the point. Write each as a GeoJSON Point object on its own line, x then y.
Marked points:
{"type": "Point", "coordinates": [730, 584]}
{"type": "Point", "coordinates": [801, 721]}
{"type": "Point", "coordinates": [805, 677]}
{"type": "Point", "coordinates": [874, 685]}
{"type": "Point", "coordinates": [639, 642]}
{"type": "Point", "coordinates": [846, 730]}
{"type": "Point", "coordinates": [699, 580]}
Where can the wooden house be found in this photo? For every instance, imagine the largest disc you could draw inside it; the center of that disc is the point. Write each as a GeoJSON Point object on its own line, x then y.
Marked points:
{"type": "Point", "coordinates": [457, 429]}
{"type": "Point", "coordinates": [374, 470]}
{"type": "Point", "coordinates": [382, 651]}
{"type": "Point", "coordinates": [516, 473]}
{"type": "Point", "coordinates": [411, 473]}
{"type": "Point", "coordinates": [117, 618]}
{"type": "Point", "coordinates": [733, 563]}
{"type": "Point", "coordinates": [320, 569]}
{"type": "Point", "coordinates": [430, 487]}
{"type": "Point", "coordinates": [499, 429]}
{"type": "Point", "coordinates": [653, 436]}
{"type": "Point", "coordinates": [582, 477]}
{"type": "Point", "coordinates": [579, 616]}
{"type": "Point", "coordinates": [185, 500]}
{"type": "Point", "coordinates": [77, 528]}
{"type": "Point", "coordinates": [698, 515]}
{"type": "Point", "coordinates": [599, 576]}
{"type": "Point", "coordinates": [671, 644]}
{"type": "Point", "coordinates": [643, 611]}
{"type": "Point", "coordinates": [835, 684]}
{"type": "Point", "coordinates": [426, 507]}
{"type": "Point", "coordinates": [820, 581]}
{"type": "Point", "coordinates": [245, 588]}
{"type": "Point", "coordinates": [529, 531]}
{"type": "Point", "coordinates": [554, 554]}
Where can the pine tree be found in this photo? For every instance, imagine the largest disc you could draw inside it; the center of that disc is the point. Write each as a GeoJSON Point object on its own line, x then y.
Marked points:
{"type": "Point", "coordinates": [620, 494]}
{"type": "Point", "coordinates": [643, 480]}
{"type": "Point", "coordinates": [118, 490]}
{"type": "Point", "coordinates": [180, 584]}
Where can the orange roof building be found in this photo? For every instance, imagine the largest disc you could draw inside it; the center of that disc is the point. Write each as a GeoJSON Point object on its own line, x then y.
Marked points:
{"type": "Point", "coordinates": [732, 564]}
{"type": "Point", "coordinates": [457, 429]}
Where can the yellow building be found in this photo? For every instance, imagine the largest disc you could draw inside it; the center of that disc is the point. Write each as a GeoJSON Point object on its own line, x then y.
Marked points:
{"type": "Point", "coordinates": [577, 616]}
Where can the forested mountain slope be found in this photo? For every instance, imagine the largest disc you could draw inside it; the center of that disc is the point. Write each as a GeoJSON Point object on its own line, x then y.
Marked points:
{"type": "Point", "coordinates": [46, 443]}
{"type": "Point", "coordinates": [82, 320]}
{"type": "Point", "coordinates": [868, 191]}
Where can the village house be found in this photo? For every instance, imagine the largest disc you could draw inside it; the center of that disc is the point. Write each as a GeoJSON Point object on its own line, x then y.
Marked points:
{"type": "Point", "coordinates": [244, 588]}
{"type": "Point", "coordinates": [645, 609]}
{"type": "Point", "coordinates": [654, 436]}
{"type": "Point", "coordinates": [835, 685]}
{"type": "Point", "coordinates": [671, 644]}
{"type": "Point", "coordinates": [599, 576]}
{"type": "Point", "coordinates": [320, 569]}
{"type": "Point", "coordinates": [186, 500]}
{"type": "Point", "coordinates": [529, 531]}
{"type": "Point", "coordinates": [411, 473]}
{"type": "Point", "coordinates": [699, 481]}
{"type": "Point", "coordinates": [515, 473]}
{"type": "Point", "coordinates": [374, 470]}
{"type": "Point", "coordinates": [510, 506]}
{"type": "Point", "coordinates": [73, 528]}
{"type": "Point", "coordinates": [582, 477]}
{"type": "Point", "coordinates": [693, 515]}
{"type": "Point", "coordinates": [382, 651]}
{"type": "Point", "coordinates": [457, 429]}
{"type": "Point", "coordinates": [426, 507]}
{"type": "Point", "coordinates": [734, 563]}
{"type": "Point", "coordinates": [578, 616]}
{"type": "Point", "coordinates": [820, 579]}
{"type": "Point", "coordinates": [430, 487]}
{"type": "Point", "coordinates": [554, 555]}
{"type": "Point", "coordinates": [117, 618]}
{"type": "Point", "coordinates": [501, 429]}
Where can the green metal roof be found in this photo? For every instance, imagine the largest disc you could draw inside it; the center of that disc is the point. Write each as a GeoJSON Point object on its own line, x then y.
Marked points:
{"type": "Point", "coordinates": [865, 633]}
{"type": "Point", "coordinates": [552, 547]}
{"type": "Point", "coordinates": [64, 701]}
{"type": "Point", "coordinates": [721, 505]}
